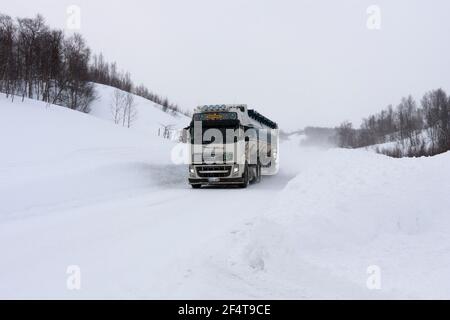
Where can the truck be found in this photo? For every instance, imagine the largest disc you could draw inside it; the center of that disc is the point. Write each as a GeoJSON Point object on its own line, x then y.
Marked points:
{"type": "Point", "coordinates": [231, 145]}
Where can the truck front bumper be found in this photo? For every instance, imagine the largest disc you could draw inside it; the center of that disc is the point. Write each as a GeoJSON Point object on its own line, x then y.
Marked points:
{"type": "Point", "coordinates": [215, 181]}
{"type": "Point", "coordinates": [203, 174]}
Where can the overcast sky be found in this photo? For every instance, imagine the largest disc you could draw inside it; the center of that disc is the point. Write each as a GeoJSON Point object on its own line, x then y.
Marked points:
{"type": "Point", "coordinates": [299, 62]}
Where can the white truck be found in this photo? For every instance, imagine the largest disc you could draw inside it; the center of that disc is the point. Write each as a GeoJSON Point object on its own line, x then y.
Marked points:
{"type": "Point", "coordinates": [231, 145]}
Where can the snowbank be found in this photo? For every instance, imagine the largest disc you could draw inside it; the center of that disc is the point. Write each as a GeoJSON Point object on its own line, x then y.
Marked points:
{"type": "Point", "coordinates": [344, 212]}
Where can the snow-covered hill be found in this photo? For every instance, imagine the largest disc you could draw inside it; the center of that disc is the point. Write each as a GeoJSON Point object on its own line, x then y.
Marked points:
{"type": "Point", "coordinates": [149, 119]}
{"type": "Point", "coordinates": [54, 156]}
{"type": "Point", "coordinates": [76, 190]}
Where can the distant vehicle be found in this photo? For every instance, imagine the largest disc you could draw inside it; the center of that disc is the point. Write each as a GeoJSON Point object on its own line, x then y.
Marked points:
{"type": "Point", "coordinates": [231, 145]}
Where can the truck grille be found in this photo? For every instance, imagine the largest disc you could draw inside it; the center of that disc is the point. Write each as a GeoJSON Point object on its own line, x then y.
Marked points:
{"type": "Point", "coordinates": [213, 171]}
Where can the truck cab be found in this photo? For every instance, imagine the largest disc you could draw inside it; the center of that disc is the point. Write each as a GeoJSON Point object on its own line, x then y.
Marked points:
{"type": "Point", "coordinates": [231, 145]}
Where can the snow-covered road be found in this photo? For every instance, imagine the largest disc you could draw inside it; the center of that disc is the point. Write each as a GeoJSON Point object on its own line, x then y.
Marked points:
{"type": "Point", "coordinates": [137, 245]}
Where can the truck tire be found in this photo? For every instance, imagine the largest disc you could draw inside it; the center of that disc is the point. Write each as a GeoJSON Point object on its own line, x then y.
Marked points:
{"type": "Point", "coordinates": [254, 172]}
{"type": "Point", "coordinates": [246, 181]}
{"type": "Point", "coordinates": [258, 172]}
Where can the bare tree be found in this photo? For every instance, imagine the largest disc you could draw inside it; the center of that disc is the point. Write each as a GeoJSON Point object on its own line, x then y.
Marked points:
{"type": "Point", "coordinates": [117, 105]}
{"type": "Point", "coordinates": [409, 119]}
{"type": "Point", "coordinates": [130, 114]}
{"type": "Point", "coordinates": [346, 135]}
{"type": "Point", "coordinates": [166, 130]}
{"type": "Point", "coordinates": [436, 106]}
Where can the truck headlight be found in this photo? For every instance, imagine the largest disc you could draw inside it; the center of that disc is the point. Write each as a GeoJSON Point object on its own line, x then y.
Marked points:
{"type": "Point", "coordinates": [191, 170]}
{"type": "Point", "coordinates": [236, 170]}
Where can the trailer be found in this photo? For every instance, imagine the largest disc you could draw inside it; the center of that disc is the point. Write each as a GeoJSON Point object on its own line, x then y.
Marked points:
{"type": "Point", "coordinates": [231, 145]}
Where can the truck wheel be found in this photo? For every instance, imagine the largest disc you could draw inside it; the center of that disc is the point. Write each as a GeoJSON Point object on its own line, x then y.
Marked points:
{"type": "Point", "coordinates": [196, 186]}
{"type": "Point", "coordinates": [258, 172]}
{"type": "Point", "coordinates": [254, 172]}
{"type": "Point", "coordinates": [245, 183]}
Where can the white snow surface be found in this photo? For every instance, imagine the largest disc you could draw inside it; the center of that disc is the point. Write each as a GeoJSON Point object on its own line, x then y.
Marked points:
{"type": "Point", "coordinates": [76, 190]}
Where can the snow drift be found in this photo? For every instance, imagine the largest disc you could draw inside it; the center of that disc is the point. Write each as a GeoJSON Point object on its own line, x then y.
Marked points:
{"type": "Point", "coordinates": [344, 212]}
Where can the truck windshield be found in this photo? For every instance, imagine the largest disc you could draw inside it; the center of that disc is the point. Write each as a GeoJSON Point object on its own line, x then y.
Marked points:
{"type": "Point", "coordinates": [215, 134]}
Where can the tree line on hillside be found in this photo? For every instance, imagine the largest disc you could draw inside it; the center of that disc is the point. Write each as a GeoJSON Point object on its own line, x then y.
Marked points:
{"type": "Point", "coordinates": [108, 74]}
{"type": "Point", "coordinates": [41, 63]}
{"type": "Point", "coordinates": [417, 130]}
